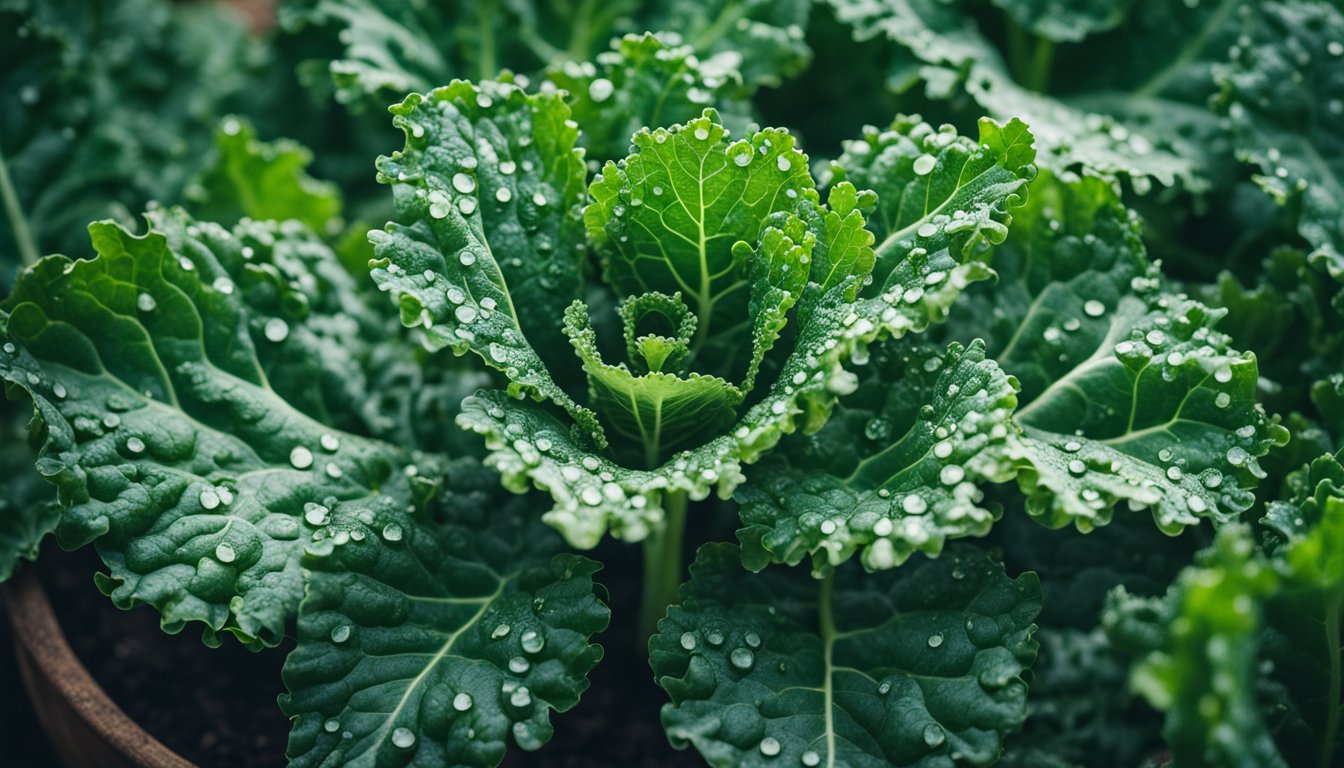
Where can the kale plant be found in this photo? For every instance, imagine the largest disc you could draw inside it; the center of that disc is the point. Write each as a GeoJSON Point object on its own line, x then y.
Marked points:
{"type": "Point", "coordinates": [1026, 419]}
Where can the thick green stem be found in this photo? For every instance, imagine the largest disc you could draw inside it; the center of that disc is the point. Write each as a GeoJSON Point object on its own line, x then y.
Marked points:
{"type": "Point", "coordinates": [23, 235]}
{"type": "Point", "coordinates": [1030, 59]}
{"type": "Point", "coordinates": [826, 624]}
{"type": "Point", "coordinates": [580, 33]}
{"type": "Point", "coordinates": [663, 565]}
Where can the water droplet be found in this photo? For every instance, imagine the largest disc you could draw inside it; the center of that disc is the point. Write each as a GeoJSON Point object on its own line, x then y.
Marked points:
{"type": "Point", "coordinates": [1223, 375]}
{"type": "Point", "coordinates": [503, 194]}
{"type": "Point", "coordinates": [462, 702]}
{"type": "Point", "coordinates": [521, 697]}
{"type": "Point", "coordinates": [464, 183]}
{"type": "Point", "coordinates": [518, 665]}
{"type": "Point", "coordinates": [936, 639]}
{"type": "Point", "coordinates": [145, 303]}
{"type": "Point", "coordinates": [742, 658]}
{"type": "Point", "coordinates": [927, 229]}
{"type": "Point", "coordinates": [224, 552]}
{"type": "Point", "coordinates": [600, 89]}
{"type": "Point", "coordinates": [402, 737]}
{"type": "Point", "coordinates": [769, 746]}
{"type": "Point", "coordinates": [315, 514]}
{"type": "Point", "coordinates": [276, 330]}
{"type": "Point", "coordinates": [329, 442]}
{"type": "Point", "coordinates": [942, 450]}
{"type": "Point", "coordinates": [301, 457]}
{"type": "Point", "coordinates": [1237, 456]}
{"type": "Point", "coordinates": [933, 735]}
{"type": "Point", "coordinates": [914, 504]}
{"type": "Point", "coordinates": [811, 759]}
{"type": "Point", "coordinates": [951, 474]}
{"type": "Point", "coordinates": [135, 445]}
{"type": "Point", "coordinates": [532, 641]}
{"type": "Point", "coordinates": [701, 134]}
{"type": "Point", "coordinates": [331, 726]}
{"type": "Point", "coordinates": [743, 159]}
{"type": "Point", "coordinates": [209, 499]}
{"type": "Point", "coordinates": [714, 637]}
{"type": "Point", "coordinates": [924, 164]}
{"type": "Point", "coordinates": [340, 634]}
{"type": "Point", "coordinates": [688, 640]}
{"type": "Point", "coordinates": [1094, 308]}
{"type": "Point", "coordinates": [783, 163]}
{"type": "Point", "coordinates": [538, 199]}
{"type": "Point", "coordinates": [392, 532]}
{"type": "Point", "coordinates": [466, 205]}
{"type": "Point", "coordinates": [1077, 467]}
{"type": "Point", "coordinates": [753, 639]}
{"type": "Point", "coordinates": [1222, 400]}
{"type": "Point", "coordinates": [508, 167]}
{"type": "Point", "coordinates": [465, 313]}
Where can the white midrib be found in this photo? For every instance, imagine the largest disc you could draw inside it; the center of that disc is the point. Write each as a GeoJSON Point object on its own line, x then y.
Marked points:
{"type": "Point", "coordinates": [826, 619]}
{"type": "Point", "coordinates": [438, 657]}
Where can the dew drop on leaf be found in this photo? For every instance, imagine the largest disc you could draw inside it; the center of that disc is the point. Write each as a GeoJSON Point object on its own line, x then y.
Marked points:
{"type": "Point", "coordinates": [403, 738]}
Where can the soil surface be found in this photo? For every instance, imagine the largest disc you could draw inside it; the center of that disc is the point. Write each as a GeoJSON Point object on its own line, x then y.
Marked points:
{"type": "Point", "coordinates": [217, 706]}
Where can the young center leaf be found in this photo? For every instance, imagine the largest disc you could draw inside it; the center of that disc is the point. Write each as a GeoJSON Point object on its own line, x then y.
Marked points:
{"type": "Point", "coordinates": [165, 433]}
{"type": "Point", "coordinates": [925, 665]}
{"type": "Point", "coordinates": [440, 640]}
{"type": "Point", "coordinates": [1127, 391]}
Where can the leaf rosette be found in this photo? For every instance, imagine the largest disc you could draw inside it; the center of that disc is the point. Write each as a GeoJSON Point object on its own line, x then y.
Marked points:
{"type": "Point", "coordinates": [729, 296]}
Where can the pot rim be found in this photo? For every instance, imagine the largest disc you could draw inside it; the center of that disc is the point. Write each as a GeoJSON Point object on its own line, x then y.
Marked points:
{"type": "Point", "coordinates": [38, 637]}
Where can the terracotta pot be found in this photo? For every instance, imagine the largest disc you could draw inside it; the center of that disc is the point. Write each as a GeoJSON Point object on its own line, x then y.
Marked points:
{"type": "Point", "coordinates": [85, 727]}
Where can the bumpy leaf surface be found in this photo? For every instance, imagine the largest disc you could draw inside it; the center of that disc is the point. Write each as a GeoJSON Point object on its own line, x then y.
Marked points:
{"type": "Point", "coordinates": [1127, 391]}
{"type": "Point", "coordinates": [432, 643]}
{"type": "Point", "coordinates": [167, 439]}
{"type": "Point", "coordinates": [920, 666]}
{"type": "Point", "coordinates": [895, 469]}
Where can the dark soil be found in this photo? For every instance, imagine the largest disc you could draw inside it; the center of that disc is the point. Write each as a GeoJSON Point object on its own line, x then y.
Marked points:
{"type": "Point", "coordinates": [217, 706]}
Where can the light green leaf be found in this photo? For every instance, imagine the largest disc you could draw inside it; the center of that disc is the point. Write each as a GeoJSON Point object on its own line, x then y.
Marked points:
{"type": "Point", "coordinates": [593, 493]}
{"type": "Point", "coordinates": [487, 191]}
{"type": "Point", "coordinates": [1306, 616]}
{"type": "Point", "coordinates": [645, 79]}
{"type": "Point", "coordinates": [1284, 93]}
{"type": "Point", "coordinates": [167, 441]}
{"type": "Point", "coordinates": [659, 410]}
{"type": "Point", "coordinates": [894, 471]}
{"type": "Point", "coordinates": [921, 666]}
{"type": "Point", "coordinates": [429, 644]}
{"type": "Point", "coordinates": [249, 178]}
{"type": "Point", "coordinates": [1128, 394]}
{"type": "Point", "coordinates": [1202, 666]}
{"type": "Point", "coordinates": [667, 218]}
{"type": "Point", "coordinates": [937, 190]}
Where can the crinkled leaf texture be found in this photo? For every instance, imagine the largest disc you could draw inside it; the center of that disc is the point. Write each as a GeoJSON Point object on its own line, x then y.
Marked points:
{"type": "Point", "coordinates": [1284, 93]}
{"type": "Point", "coordinates": [1146, 118]}
{"type": "Point", "coordinates": [1128, 393]}
{"type": "Point", "coordinates": [165, 433]}
{"type": "Point", "coordinates": [645, 79]}
{"type": "Point", "coordinates": [924, 665]}
{"type": "Point", "coordinates": [656, 237]}
{"type": "Point", "coordinates": [1198, 650]}
{"type": "Point", "coordinates": [386, 48]}
{"type": "Point", "coordinates": [438, 640]}
{"type": "Point", "coordinates": [249, 178]}
{"type": "Point", "coordinates": [487, 191]}
{"type": "Point", "coordinates": [895, 469]}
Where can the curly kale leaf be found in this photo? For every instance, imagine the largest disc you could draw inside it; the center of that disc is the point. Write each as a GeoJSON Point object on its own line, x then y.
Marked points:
{"type": "Point", "coordinates": [925, 665]}
{"type": "Point", "coordinates": [440, 640]}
